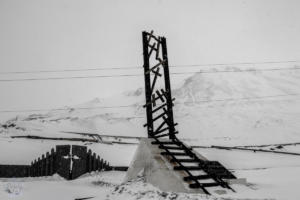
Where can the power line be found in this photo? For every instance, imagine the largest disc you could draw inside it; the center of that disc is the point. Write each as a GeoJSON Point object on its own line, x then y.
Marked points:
{"type": "Point", "coordinates": [70, 77]}
{"type": "Point", "coordinates": [237, 71]}
{"type": "Point", "coordinates": [138, 67]}
{"type": "Point", "coordinates": [63, 109]}
{"type": "Point", "coordinates": [138, 75]}
{"type": "Point", "coordinates": [244, 98]}
{"type": "Point", "coordinates": [237, 63]}
{"type": "Point", "coordinates": [136, 105]}
{"type": "Point", "coordinates": [70, 70]}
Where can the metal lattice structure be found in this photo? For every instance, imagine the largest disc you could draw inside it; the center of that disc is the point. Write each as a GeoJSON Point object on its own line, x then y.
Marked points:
{"type": "Point", "coordinates": [160, 121]}
{"type": "Point", "coordinates": [158, 101]}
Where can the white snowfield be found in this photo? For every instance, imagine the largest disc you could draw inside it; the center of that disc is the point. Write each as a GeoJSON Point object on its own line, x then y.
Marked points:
{"type": "Point", "coordinates": [224, 108]}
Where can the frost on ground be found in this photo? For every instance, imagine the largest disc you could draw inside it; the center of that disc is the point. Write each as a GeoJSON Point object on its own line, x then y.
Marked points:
{"type": "Point", "coordinates": [97, 186]}
{"type": "Point", "coordinates": [257, 109]}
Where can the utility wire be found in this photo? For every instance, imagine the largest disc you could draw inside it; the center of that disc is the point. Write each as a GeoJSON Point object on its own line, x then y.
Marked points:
{"type": "Point", "coordinates": [238, 63]}
{"type": "Point", "coordinates": [243, 98]}
{"type": "Point", "coordinates": [70, 70]}
{"type": "Point", "coordinates": [237, 71]}
{"type": "Point", "coordinates": [137, 75]}
{"type": "Point", "coordinates": [135, 105]}
{"type": "Point", "coordinates": [70, 109]}
{"type": "Point", "coordinates": [70, 77]}
{"type": "Point", "coordinates": [139, 67]}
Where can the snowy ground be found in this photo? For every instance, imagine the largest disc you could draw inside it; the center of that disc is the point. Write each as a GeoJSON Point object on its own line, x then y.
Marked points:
{"type": "Point", "coordinates": [227, 109]}
{"type": "Point", "coordinates": [106, 185]}
{"type": "Point", "coordinates": [263, 184]}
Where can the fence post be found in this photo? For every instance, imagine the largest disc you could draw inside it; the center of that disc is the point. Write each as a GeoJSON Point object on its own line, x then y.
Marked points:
{"type": "Point", "coordinates": [51, 162]}
{"type": "Point", "coordinates": [47, 164]}
{"type": "Point", "coordinates": [101, 164]}
{"type": "Point", "coordinates": [104, 165]}
{"type": "Point", "coordinates": [94, 161]}
{"type": "Point", "coordinates": [43, 165]}
{"type": "Point", "coordinates": [98, 163]}
{"type": "Point", "coordinates": [89, 161]}
{"type": "Point", "coordinates": [34, 168]}
{"type": "Point", "coordinates": [30, 169]}
{"type": "Point", "coordinates": [39, 167]}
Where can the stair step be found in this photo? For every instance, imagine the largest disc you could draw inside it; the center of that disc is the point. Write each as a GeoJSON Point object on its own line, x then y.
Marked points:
{"type": "Point", "coordinates": [200, 177]}
{"type": "Point", "coordinates": [196, 185]}
{"type": "Point", "coordinates": [210, 184]}
{"type": "Point", "coordinates": [174, 153]}
{"type": "Point", "coordinates": [164, 135]}
{"type": "Point", "coordinates": [221, 175]}
{"type": "Point", "coordinates": [174, 147]}
{"type": "Point", "coordinates": [189, 160]}
{"type": "Point", "coordinates": [187, 168]}
{"type": "Point", "coordinates": [170, 147]}
{"type": "Point", "coordinates": [166, 142]}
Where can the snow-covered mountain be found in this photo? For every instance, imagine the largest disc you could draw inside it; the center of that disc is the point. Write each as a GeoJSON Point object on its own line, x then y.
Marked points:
{"type": "Point", "coordinates": [232, 107]}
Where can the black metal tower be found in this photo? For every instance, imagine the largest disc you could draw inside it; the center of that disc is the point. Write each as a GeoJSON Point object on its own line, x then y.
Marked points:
{"type": "Point", "coordinates": [158, 101]}
{"type": "Point", "coordinates": [160, 122]}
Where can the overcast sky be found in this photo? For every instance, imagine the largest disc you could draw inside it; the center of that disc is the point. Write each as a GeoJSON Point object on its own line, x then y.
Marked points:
{"type": "Point", "coordinates": [84, 34]}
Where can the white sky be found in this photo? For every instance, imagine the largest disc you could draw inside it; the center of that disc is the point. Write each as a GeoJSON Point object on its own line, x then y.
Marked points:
{"type": "Point", "coordinates": [82, 34]}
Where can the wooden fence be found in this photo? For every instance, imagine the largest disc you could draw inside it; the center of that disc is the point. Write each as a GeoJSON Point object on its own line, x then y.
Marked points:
{"type": "Point", "coordinates": [50, 163]}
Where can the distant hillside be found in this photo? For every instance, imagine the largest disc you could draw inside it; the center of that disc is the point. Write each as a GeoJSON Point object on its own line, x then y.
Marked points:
{"type": "Point", "coordinates": [232, 107]}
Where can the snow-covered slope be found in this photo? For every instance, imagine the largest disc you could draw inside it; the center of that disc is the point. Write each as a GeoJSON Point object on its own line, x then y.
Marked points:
{"type": "Point", "coordinates": [214, 108]}
{"type": "Point", "coordinates": [232, 107]}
